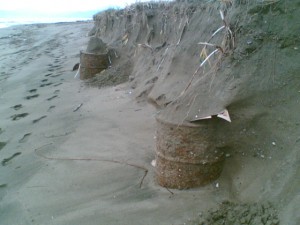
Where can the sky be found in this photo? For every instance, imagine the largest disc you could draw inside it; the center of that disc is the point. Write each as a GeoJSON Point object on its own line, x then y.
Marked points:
{"type": "Point", "coordinates": [60, 6]}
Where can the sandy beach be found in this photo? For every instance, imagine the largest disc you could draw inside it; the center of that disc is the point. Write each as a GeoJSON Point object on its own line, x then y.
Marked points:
{"type": "Point", "coordinates": [73, 153]}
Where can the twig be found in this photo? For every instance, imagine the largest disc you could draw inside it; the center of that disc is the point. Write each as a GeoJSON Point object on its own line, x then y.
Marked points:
{"type": "Point", "coordinates": [206, 43]}
{"type": "Point", "coordinates": [162, 59]}
{"type": "Point", "coordinates": [36, 151]}
{"type": "Point", "coordinates": [205, 60]}
{"type": "Point", "coordinates": [109, 59]}
{"type": "Point", "coordinates": [210, 55]}
{"type": "Point", "coordinates": [172, 193]}
{"type": "Point", "coordinates": [78, 107]}
{"type": "Point", "coordinates": [183, 30]}
{"type": "Point", "coordinates": [227, 27]}
{"type": "Point", "coordinates": [145, 46]}
{"type": "Point", "coordinates": [77, 71]}
{"type": "Point", "coordinates": [223, 18]}
{"type": "Point", "coordinates": [217, 31]}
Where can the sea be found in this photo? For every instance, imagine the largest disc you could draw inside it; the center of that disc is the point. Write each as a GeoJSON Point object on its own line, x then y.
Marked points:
{"type": "Point", "coordinates": [7, 22]}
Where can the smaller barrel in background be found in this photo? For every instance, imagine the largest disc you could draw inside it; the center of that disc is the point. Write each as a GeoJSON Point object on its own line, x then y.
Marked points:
{"type": "Point", "coordinates": [186, 154]}
{"type": "Point", "coordinates": [91, 64]}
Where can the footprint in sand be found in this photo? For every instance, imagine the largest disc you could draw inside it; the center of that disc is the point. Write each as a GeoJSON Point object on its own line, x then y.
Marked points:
{"type": "Point", "coordinates": [19, 116]}
{"type": "Point", "coordinates": [51, 98]}
{"type": "Point", "coordinates": [24, 138]}
{"type": "Point", "coordinates": [5, 161]}
{"type": "Point", "coordinates": [47, 84]}
{"type": "Point", "coordinates": [31, 96]}
{"type": "Point", "coordinates": [55, 85]}
{"type": "Point", "coordinates": [56, 66]}
{"type": "Point", "coordinates": [32, 90]}
{"type": "Point", "coordinates": [51, 108]}
{"type": "Point", "coordinates": [44, 80]}
{"type": "Point", "coordinates": [17, 107]}
{"type": "Point", "coordinates": [38, 119]}
{"type": "Point", "coordinates": [55, 75]}
{"type": "Point", "coordinates": [48, 74]}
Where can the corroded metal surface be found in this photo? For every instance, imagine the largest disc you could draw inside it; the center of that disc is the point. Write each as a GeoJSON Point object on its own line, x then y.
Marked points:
{"type": "Point", "coordinates": [91, 64]}
{"type": "Point", "coordinates": [186, 155]}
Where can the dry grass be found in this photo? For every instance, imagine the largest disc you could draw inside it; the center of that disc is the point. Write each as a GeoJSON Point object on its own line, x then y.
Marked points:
{"type": "Point", "coordinates": [269, 2]}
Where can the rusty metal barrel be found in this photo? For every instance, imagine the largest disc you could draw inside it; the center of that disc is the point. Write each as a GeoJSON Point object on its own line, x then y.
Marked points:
{"type": "Point", "coordinates": [91, 64]}
{"type": "Point", "coordinates": [186, 154]}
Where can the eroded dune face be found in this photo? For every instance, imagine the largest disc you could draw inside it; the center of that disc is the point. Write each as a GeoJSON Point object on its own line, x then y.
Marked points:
{"type": "Point", "coordinates": [194, 60]}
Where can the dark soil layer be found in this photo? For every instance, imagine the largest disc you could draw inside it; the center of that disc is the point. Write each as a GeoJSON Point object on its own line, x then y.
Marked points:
{"type": "Point", "coordinates": [253, 73]}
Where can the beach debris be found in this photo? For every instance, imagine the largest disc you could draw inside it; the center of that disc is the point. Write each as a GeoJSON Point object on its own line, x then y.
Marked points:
{"type": "Point", "coordinates": [153, 163]}
{"type": "Point", "coordinates": [224, 115]}
{"type": "Point", "coordinates": [78, 107]}
{"type": "Point", "coordinates": [75, 67]}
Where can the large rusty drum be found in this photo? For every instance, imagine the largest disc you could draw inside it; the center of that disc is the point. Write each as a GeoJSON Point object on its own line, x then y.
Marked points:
{"type": "Point", "coordinates": [91, 64]}
{"type": "Point", "coordinates": [186, 154]}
